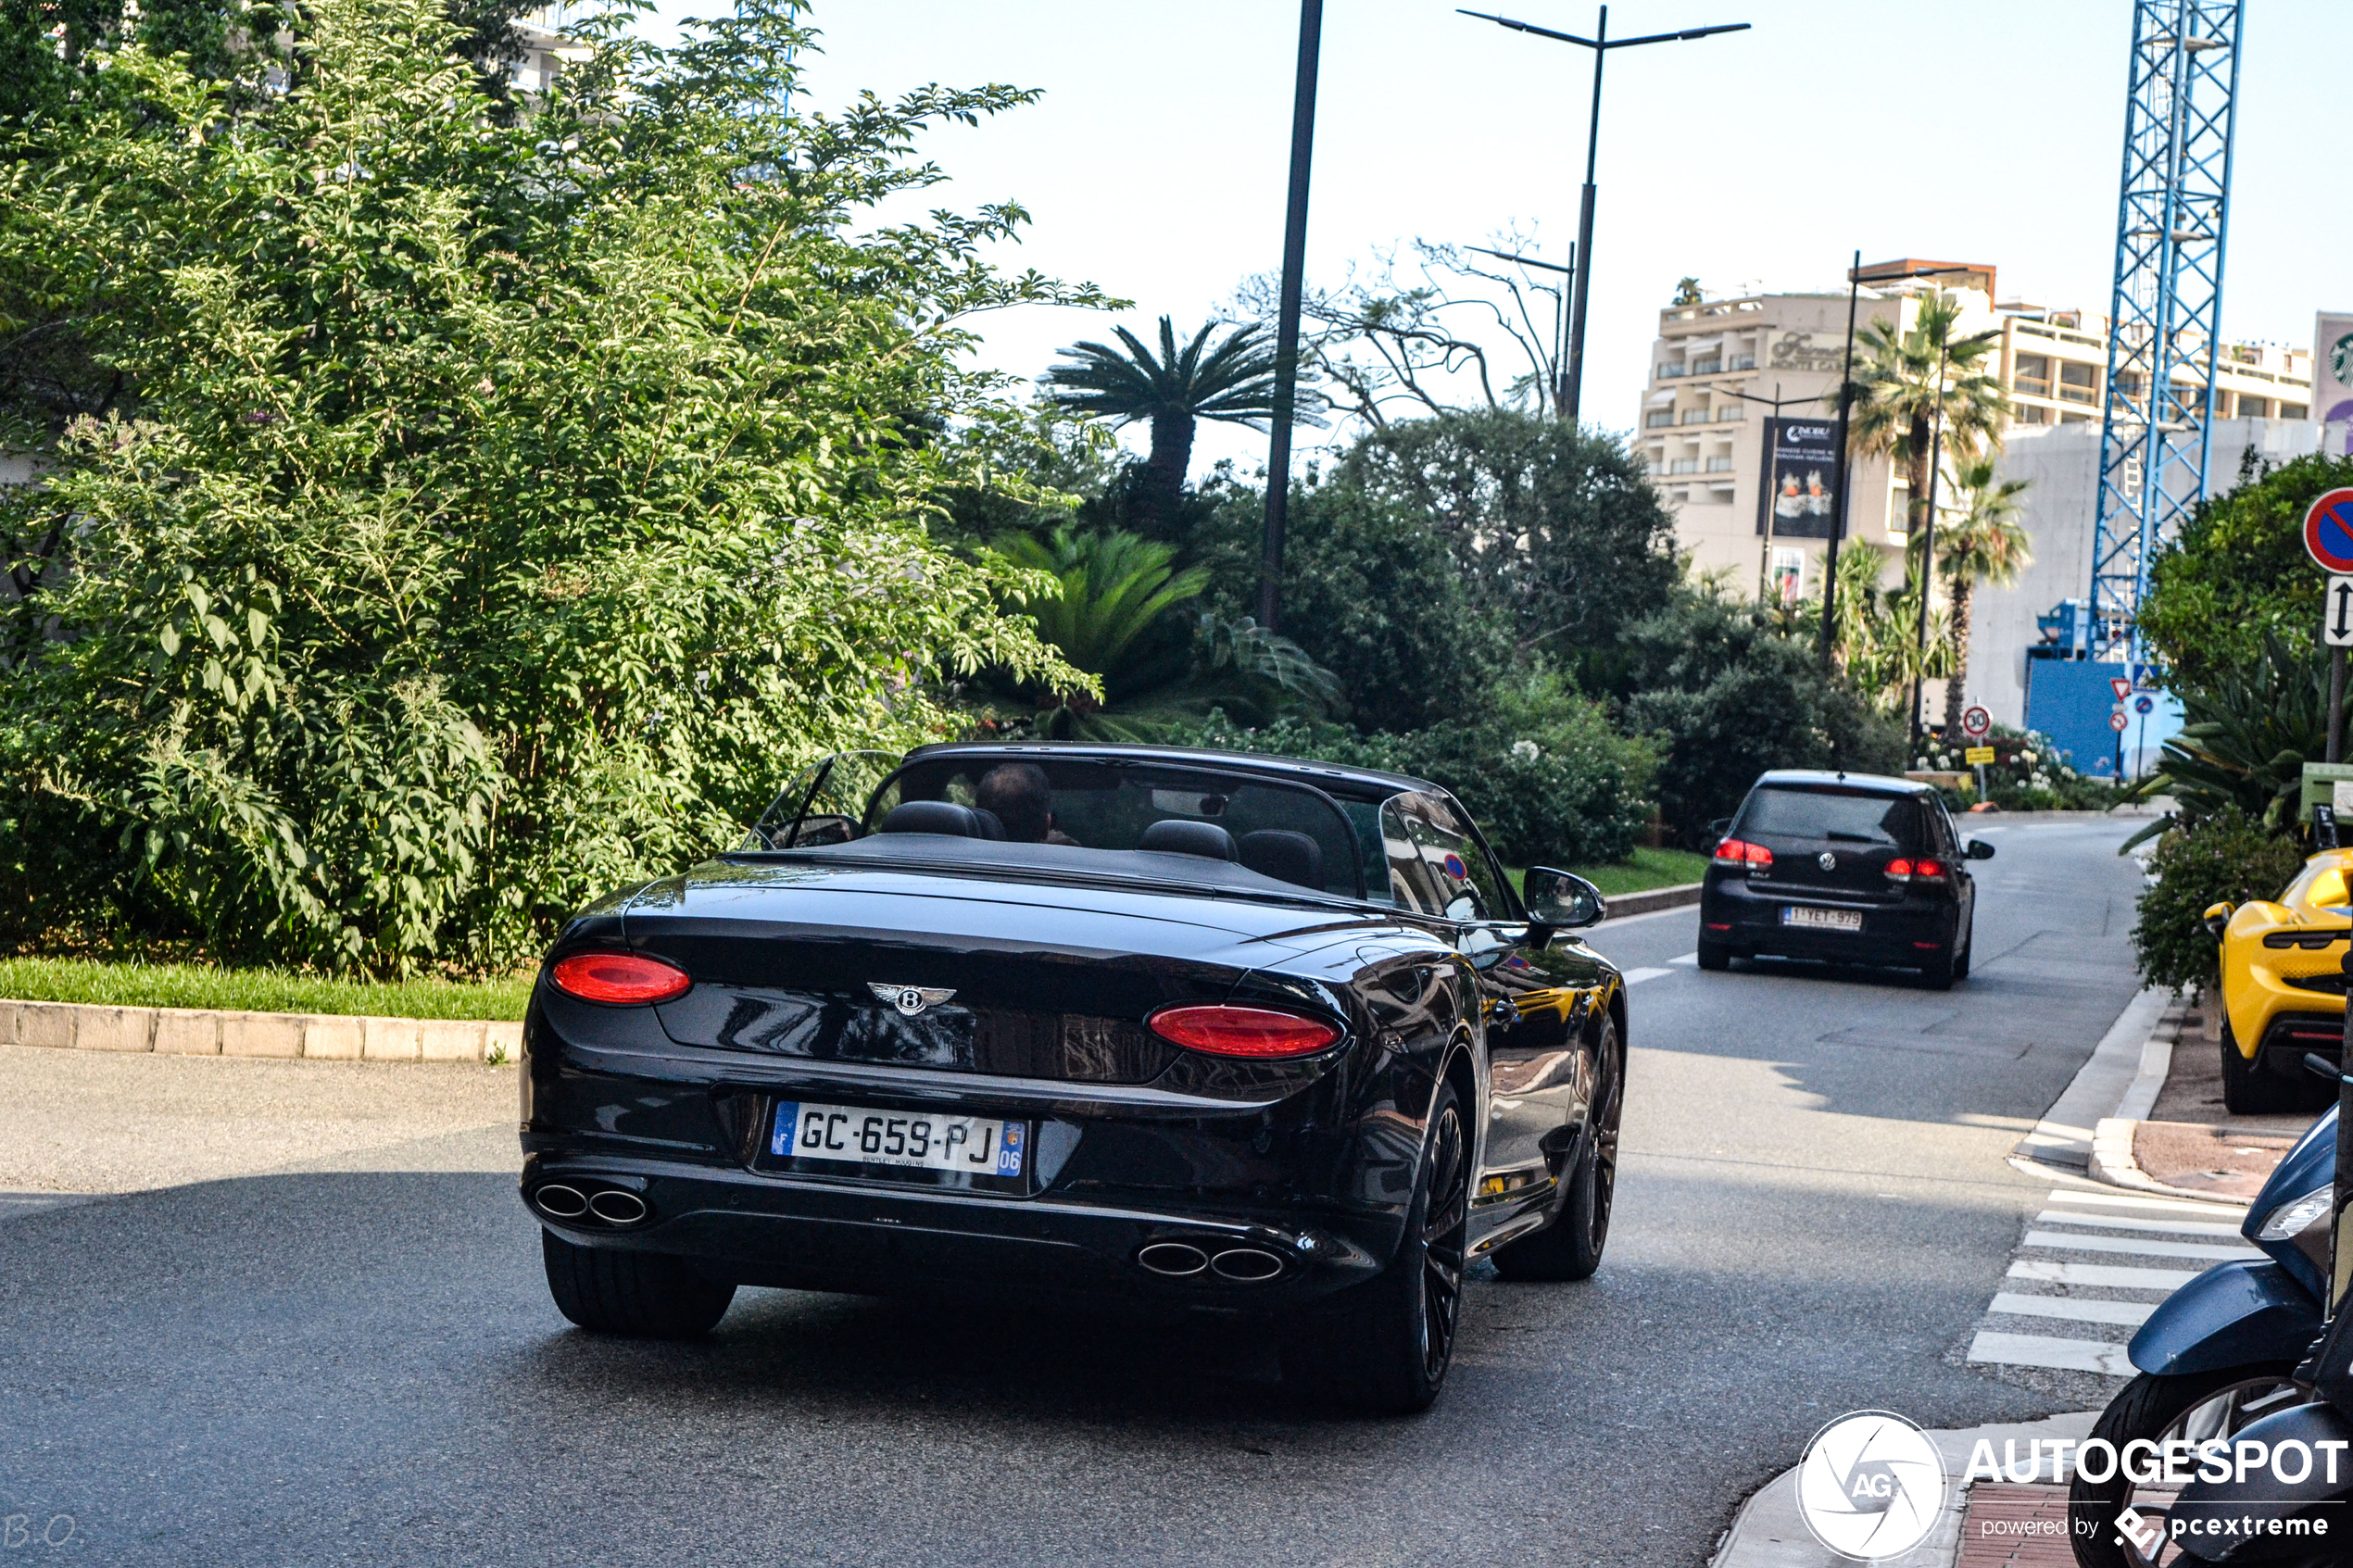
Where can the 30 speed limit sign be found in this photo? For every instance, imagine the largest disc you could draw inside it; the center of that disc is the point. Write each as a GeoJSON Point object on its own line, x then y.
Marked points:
{"type": "Point", "coordinates": [1975, 722]}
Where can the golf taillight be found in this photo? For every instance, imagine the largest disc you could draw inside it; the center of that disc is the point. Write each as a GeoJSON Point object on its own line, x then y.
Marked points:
{"type": "Point", "coordinates": [1259, 1033]}
{"type": "Point", "coordinates": [619, 978]}
{"type": "Point", "coordinates": [1738, 852]}
{"type": "Point", "coordinates": [1905, 871]}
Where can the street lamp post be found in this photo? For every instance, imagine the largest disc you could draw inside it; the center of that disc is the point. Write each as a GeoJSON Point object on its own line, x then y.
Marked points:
{"type": "Point", "coordinates": [1560, 317]}
{"type": "Point", "coordinates": [1303, 149]}
{"type": "Point", "coordinates": [1601, 44]}
{"type": "Point", "coordinates": [1845, 470]}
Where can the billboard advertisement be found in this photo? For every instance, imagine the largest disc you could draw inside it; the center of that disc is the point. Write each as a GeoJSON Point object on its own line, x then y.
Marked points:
{"type": "Point", "coordinates": [2332, 372]}
{"type": "Point", "coordinates": [1799, 498]}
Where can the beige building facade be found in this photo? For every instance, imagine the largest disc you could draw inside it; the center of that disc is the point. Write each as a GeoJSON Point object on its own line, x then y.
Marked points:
{"type": "Point", "coordinates": [1754, 497]}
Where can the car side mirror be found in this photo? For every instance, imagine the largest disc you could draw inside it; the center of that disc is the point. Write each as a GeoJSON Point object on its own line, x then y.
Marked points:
{"type": "Point", "coordinates": [1719, 827]}
{"type": "Point", "coordinates": [2216, 919]}
{"type": "Point", "coordinates": [1561, 900]}
{"type": "Point", "coordinates": [1978, 850]}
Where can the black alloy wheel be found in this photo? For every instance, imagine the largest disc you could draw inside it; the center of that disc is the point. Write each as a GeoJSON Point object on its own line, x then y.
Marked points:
{"type": "Point", "coordinates": [1571, 1247]}
{"type": "Point", "coordinates": [1383, 1346]}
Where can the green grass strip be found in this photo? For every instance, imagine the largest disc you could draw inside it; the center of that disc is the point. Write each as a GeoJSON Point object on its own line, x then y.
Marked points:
{"type": "Point", "coordinates": [1648, 868]}
{"type": "Point", "coordinates": [256, 990]}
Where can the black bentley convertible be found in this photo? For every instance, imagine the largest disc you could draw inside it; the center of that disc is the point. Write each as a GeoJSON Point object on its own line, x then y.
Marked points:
{"type": "Point", "coordinates": [1213, 1029]}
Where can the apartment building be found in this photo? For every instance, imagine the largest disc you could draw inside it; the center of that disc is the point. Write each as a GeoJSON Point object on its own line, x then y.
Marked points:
{"type": "Point", "coordinates": [1753, 486]}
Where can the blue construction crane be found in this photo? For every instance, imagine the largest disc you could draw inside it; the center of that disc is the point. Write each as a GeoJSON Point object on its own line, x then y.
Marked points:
{"type": "Point", "coordinates": [2166, 314]}
{"type": "Point", "coordinates": [2165, 334]}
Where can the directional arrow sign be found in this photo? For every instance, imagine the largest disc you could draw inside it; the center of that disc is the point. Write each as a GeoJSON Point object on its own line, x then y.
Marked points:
{"type": "Point", "coordinates": [2336, 613]}
{"type": "Point", "coordinates": [2328, 531]}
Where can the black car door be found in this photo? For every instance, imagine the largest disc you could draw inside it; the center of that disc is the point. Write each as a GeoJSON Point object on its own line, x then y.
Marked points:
{"type": "Point", "coordinates": [1535, 999]}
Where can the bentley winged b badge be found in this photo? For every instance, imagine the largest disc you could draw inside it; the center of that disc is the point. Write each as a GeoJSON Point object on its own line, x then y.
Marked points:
{"type": "Point", "coordinates": [910, 1000]}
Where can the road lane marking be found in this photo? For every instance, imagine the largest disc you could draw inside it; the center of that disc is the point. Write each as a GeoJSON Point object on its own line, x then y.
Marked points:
{"type": "Point", "coordinates": [2043, 1351]}
{"type": "Point", "coordinates": [2078, 1309]}
{"type": "Point", "coordinates": [2123, 1200]}
{"type": "Point", "coordinates": [1688, 960]}
{"type": "Point", "coordinates": [2106, 1275]}
{"type": "Point", "coordinates": [2064, 1242]}
{"type": "Point", "coordinates": [1636, 976]}
{"type": "Point", "coordinates": [2134, 1222]}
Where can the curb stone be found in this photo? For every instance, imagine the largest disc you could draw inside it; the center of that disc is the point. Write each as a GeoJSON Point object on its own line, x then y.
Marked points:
{"type": "Point", "coordinates": [202, 1032]}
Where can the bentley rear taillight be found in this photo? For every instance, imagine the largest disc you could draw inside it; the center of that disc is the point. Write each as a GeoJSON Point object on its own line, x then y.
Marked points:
{"type": "Point", "coordinates": [619, 978]}
{"type": "Point", "coordinates": [1738, 852]}
{"type": "Point", "coordinates": [1260, 1033]}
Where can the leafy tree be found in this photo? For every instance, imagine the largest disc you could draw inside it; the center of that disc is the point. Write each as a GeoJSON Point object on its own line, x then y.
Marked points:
{"type": "Point", "coordinates": [1371, 594]}
{"type": "Point", "coordinates": [508, 508]}
{"type": "Point", "coordinates": [1175, 389]}
{"type": "Point", "coordinates": [1687, 292]}
{"type": "Point", "coordinates": [1980, 541]}
{"type": "Point", "coordinates": [1910, 378]}
{"type": "Point", "coordinates": [1727, 698]}
{"type": "Point", "coordinates": [1556, 527]}
{"type": "Point", "coordinates": [2245, 735]}
{"type": "Point", "coordinates": [2237, 574]}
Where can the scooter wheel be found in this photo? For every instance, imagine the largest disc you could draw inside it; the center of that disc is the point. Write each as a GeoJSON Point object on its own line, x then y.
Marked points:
{"type": "Point", "coordinates": [2195, 1405]}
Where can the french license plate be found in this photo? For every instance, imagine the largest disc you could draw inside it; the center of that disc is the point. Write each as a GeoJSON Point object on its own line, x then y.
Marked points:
{"type": "Point", "coordinates": [1821, 919]}
{"type": "Point", "coordinates": [850, 1134]}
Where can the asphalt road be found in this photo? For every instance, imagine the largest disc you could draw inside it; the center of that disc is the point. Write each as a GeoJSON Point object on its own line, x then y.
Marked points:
{"type": "Point", "coordinates": [346, 1354]}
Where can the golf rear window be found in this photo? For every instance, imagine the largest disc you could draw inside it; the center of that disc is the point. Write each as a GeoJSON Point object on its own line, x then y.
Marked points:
{"type": "Point", "coordinates": [1834, 816]}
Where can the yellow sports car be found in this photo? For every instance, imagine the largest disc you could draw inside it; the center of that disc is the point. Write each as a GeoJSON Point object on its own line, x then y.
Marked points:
{"type": "Point", "coordinates": [2284, 987]}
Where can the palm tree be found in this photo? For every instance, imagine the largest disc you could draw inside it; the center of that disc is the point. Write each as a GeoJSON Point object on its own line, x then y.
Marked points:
{"type": "Point", "coordinates": [1980, 541]}
{"type": "Point", "coordinates": [1906, 378]}
{"type": "Point", "coordinates": [1233, 383]}
{"type": "Point", "coordinates": [1125, 614]}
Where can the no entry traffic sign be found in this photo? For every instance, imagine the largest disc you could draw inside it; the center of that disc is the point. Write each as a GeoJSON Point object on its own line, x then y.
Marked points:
{"type": "Point", "coordinates": [1976, 721]}
{"type": "Point", "coordinates": [2328, 531]}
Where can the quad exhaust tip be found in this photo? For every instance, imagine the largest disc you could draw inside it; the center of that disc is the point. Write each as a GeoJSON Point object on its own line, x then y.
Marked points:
{"type": "Point", "coordinates": [1174, 1260]}
{"type": "Point", "coordinates": [1184, 1260]}
{"type": "Point", "coordinates": [560, 1201]}
{"type": "Point", "coordinates": [1246, 1265]}
{"type": "Point", "coordinates": [617, 1207]}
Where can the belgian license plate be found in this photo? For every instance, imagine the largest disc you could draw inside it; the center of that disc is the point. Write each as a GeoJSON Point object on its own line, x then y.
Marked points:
{"type": "Point", "coordinates": [850, 1134]}
{"type": "Point", "coordinates": [1821, 919]}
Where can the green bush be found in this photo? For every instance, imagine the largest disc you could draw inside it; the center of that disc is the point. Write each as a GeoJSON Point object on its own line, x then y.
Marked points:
{"type": "Point", "coordinates": [1370, 592]}
{"type": "Point", "coordinates": [1547, 776]}
{"type": "Point", "coordinates": [1726, 696]}
{"type": "Point", "coordinates": [2028, 773]}
{"type": "Point", "coordinates": [503, 509]}
{"type": "Point", "coordinates": [2226, 857]}
{"type": "Point", "coordinates": [2238, 575]}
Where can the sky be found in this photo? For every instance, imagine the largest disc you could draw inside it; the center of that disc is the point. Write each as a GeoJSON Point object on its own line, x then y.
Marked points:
{"type": "Point", "coordinates": [1984, 131]}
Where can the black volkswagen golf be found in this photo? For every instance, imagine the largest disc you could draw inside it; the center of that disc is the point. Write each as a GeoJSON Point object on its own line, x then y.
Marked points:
{"type": "Point", "coordinates": [1852, 868]}
{"type": "Point", "coordinates": [1211, 1031]}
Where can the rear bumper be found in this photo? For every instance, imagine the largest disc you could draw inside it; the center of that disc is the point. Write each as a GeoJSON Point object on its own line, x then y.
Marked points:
{"type": "Point", "coordinates": [753, 1228]}
{"type": "Point", "coordinates": [1289, 1175]}
{"type": "Point", "coordinates": [1748, 919]}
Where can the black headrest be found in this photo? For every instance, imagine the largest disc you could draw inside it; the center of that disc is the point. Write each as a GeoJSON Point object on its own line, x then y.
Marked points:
{"type": "Point", "coordinates": [1285, 856]}
{"type": "Point", "coordinates": [1177, 837]}
{"type": "Point", "coordinates": [941, 816]}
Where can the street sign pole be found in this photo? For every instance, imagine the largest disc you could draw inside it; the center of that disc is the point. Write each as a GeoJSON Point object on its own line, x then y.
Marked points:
{"type": "Point", "coordinates": [2336, 632]}
{"type": "Point", "coordinates": [2328, 539]}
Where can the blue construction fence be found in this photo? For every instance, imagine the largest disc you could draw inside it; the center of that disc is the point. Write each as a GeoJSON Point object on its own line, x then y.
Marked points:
{"type": "Point", "coordinates": [2070, 702]}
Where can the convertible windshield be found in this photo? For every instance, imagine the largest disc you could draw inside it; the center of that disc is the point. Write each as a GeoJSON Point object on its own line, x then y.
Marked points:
{"type": "Point", "coordinates": [1292, 833]}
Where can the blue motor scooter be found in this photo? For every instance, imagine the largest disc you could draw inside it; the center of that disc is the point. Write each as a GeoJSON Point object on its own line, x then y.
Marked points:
{"type": "Point", "coordinates": [2220, 1352]}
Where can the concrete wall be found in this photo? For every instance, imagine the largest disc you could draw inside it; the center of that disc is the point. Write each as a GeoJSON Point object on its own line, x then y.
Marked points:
{"type": "Point", "coordinates": [2063, 463]}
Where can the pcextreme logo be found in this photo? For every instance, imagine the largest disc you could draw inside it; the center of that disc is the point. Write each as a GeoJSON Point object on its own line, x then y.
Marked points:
{"type": "Point", "coordinates": [1871, 1486]}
